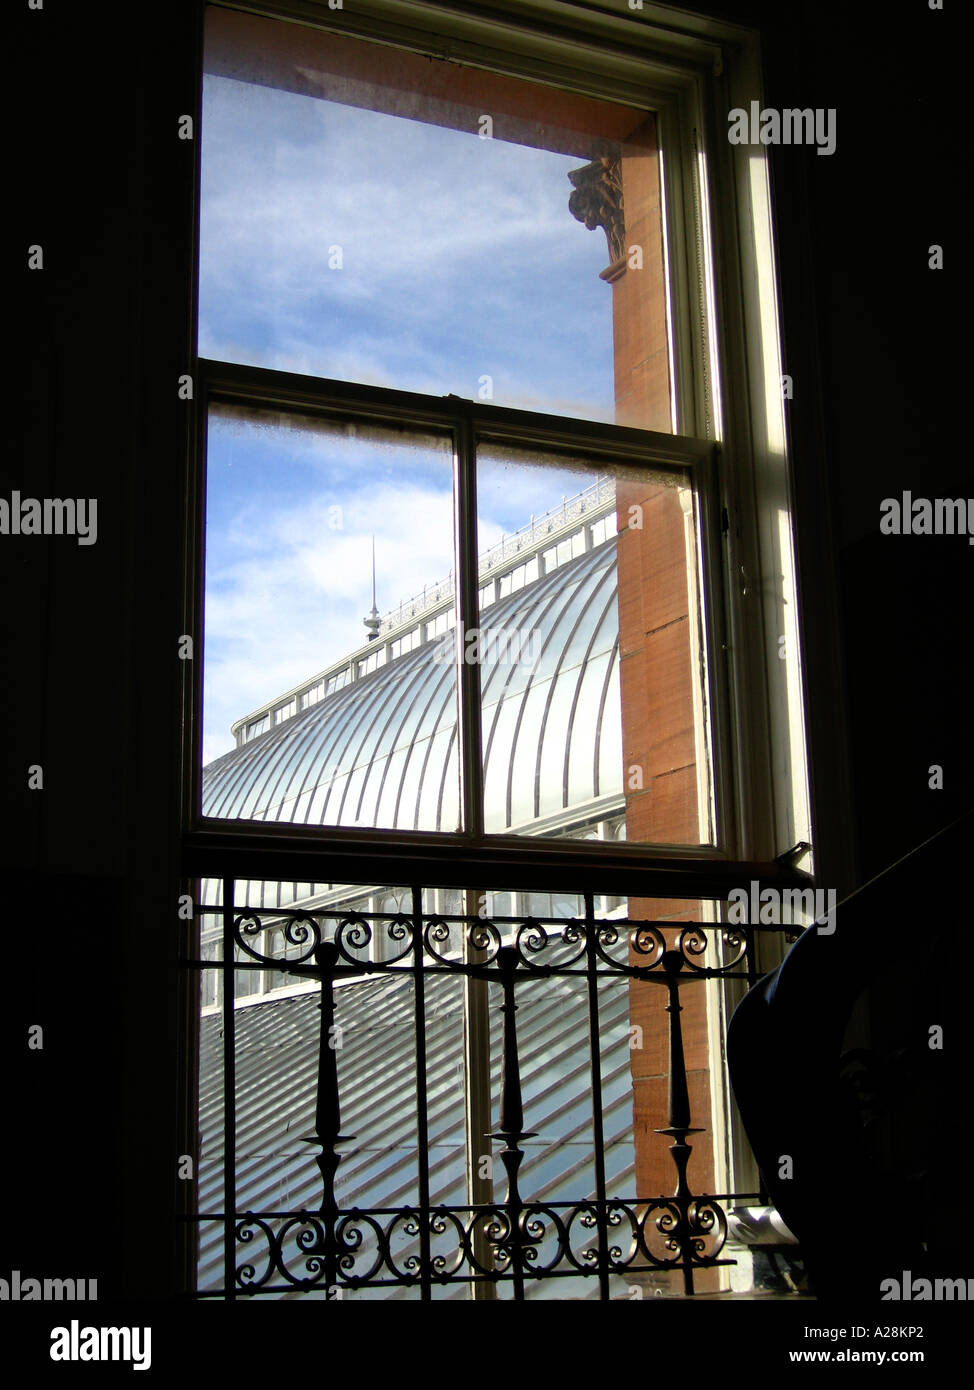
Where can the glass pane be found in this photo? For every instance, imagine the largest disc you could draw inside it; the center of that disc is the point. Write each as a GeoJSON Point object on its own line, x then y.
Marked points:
{"type": "Point", "coordinates": [593, 701]}
{"type": "Point", "coordinates": [355, 719]}
{"type": "Point", "coordinates": [382, 217]}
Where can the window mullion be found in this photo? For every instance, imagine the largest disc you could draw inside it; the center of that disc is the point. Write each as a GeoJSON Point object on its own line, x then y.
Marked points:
{"type": "Point", "coordinates": [468, 672]}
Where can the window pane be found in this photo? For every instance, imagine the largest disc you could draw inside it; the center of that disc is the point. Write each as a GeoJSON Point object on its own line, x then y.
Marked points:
{"type": "Point", "coordinates": [377, 216]}
{"type": "Point", "coordinates": [593, 705]}
{"type": "Point", "coordinates": [294, 506]}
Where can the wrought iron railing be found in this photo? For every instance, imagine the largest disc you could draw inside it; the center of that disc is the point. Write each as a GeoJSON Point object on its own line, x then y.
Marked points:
{"type": "Point", "coordinates": [326, 1250]}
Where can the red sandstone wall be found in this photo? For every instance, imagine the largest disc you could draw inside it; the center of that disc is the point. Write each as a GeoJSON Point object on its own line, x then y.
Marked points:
{"type": "Point", "coordinates": [656, 684]}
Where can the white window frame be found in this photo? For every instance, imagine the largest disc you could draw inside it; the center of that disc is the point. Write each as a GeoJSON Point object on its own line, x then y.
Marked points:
{"type": "Point", "coordinates": [726, 354]}
{"type": "Point", "coordinates": [726, 367]}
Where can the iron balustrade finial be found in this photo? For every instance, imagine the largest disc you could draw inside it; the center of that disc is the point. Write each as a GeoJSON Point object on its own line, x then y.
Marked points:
{"type": "Point", "coordinates": [327, 1112]}
{"type": "Point", "coordinates": [511, 1121]}
{"type": "Point", "coordinates": [679, 1118]}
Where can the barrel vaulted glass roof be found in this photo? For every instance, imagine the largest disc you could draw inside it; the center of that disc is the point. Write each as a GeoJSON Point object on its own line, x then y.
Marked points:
{"type": "Point", "coordinates": [382, 751]}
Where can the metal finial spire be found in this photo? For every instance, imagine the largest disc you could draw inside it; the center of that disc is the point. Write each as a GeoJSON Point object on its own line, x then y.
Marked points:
{"type": "Point", "coordinates": [373, 622]}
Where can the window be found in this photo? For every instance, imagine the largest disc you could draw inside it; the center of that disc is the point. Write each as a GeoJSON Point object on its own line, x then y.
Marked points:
{"type": "Point", "coordinates": [479, 543]}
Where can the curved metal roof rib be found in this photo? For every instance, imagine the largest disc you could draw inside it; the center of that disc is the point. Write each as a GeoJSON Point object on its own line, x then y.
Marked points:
{"type": "Point", "coordinates": [382, 751]}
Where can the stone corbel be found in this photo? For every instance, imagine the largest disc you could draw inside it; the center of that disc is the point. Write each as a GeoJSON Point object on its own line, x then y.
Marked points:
{"type": "Point", "coordinates": [597, 201]}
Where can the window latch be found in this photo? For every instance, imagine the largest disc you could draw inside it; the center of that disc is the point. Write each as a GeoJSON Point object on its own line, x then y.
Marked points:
{"type": "Point", "coordinates": [790, 857]}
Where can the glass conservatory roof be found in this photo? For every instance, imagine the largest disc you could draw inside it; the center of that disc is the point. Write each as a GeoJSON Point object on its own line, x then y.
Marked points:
{"type": "Point", "coordinates": [382, 751]}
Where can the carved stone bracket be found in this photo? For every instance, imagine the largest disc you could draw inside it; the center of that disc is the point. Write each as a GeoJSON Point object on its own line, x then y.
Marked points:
{"type": "Point", "coordinates": [597, 201]}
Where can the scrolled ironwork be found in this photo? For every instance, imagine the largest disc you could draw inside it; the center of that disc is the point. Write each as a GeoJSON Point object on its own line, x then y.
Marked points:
{"type": "Point", "coordinates": [607, 935]}
{"type": "Point", "coordinates": [484, 939]}
{"type": "Point", "coordinates": [522, 1238]}
{"type": "Point", "coordinates": [561, 944]}
{"type": "Point", "coordinates": [695, 939]}
{"type": "Point", "coordinates": [619, 1214]}
{"type": "Point", "coordinates": [299, 929]}
{"type": "Point", "coordinates": [585, 1215]}
{"type": "Point", "coordinates": [530, 940]}
{"type": "Point", "coordinates": [647, 940]}
{"type": "Point", "coordinates": [443, 1221]}
{"type": "Point", "coordinates": [540, 1225]}
{"type": "Point", "coordinates": [355, 1229]}
{"type": "Point", "coordinates": [692, 943]}
{"type": "Point", "coordinates": [487, 1222]}
{"type": "Point", "coordinates": [544, 1239]}
{"type": "Point", "coordinates": [309, 1237]}
{"type": "Point", "coordinates": [708, 1227]}
{"type": "Point", "coordinates": [665, 1217]}
{"type": "Point", "coordinates": [545, 946]}
{"type": "Point", "coordinates": [736, 942]}
{"type": "Point", "coordinates": [437, 931]}
{"type": "Point", "coordinates": [353, 933]}
{"type": "Point", "coordinates": [399, 934]}
{"type": "Point", "coordinates": [246, 1274]}
{"type": "Point", "coordinates": [693, 1232]}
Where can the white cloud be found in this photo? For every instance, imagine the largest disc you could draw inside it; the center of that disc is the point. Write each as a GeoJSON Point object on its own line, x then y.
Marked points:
{"type": "Point", "coordinates": [460, 257]}
{"type": "Point", "coordinates": [277, 617]}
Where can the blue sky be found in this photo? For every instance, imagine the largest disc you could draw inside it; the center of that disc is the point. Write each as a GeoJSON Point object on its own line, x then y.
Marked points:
{"type": "Point", "coordinates": [460, 260]}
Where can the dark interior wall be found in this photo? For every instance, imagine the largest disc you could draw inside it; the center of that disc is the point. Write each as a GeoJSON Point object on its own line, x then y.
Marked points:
{"type": "Point", "coordinates": [91, 681]}
{"type": "Point", "coordinates": [871, 344]}
{"type": "Point", "coordinates": [91, 686]}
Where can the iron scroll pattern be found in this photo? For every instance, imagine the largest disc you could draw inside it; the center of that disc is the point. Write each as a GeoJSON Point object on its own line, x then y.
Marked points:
{"type": "Point", "coordinates": [296, 1251]}
{"type": "Point", "coordinates": [517, 1240]}
{"type": "Point", "coordinates": [564, 941]}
